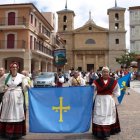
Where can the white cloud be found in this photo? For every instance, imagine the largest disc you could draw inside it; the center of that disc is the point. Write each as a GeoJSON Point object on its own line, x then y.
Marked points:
{"type": "Point", "coordinates": [81, 8]}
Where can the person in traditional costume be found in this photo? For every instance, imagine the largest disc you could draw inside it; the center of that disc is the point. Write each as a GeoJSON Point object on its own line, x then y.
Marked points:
{"type": "Point", "coordinates": [2, 83]}
{"type": "Point", "coordinates": [59, 79]}
{"type": "Point", "coordinates": [26, 79]}
{"type": "Point", "coordinates": [12, 115]}
{"type": "Point", "coordinates": [76, 80]}
{"type": "Point", "coordinates": [105, 121]}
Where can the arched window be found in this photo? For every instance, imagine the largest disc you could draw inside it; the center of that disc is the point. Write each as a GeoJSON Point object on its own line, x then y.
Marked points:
{"type": "Point", "coordinates": [117, 41]}
{"type": "Point", "coordinates": [65, 41]}
{"type": "Point", "coordinates": [65, 19]}
{"type": "Point", "coordinates": [11, 18]}
{"type": "Point", "coordinates": [116, 16]}
{"type": "Point", "coordinates": [89, 28]}
{"type": "Point", "coordinates": [90, 41]}
{"type": "Point", "coordinates": [10, 41]}
{"type": "Point", "coordinates": [116, 26]}
{"type": "Point", "coordinates": [65, 27]}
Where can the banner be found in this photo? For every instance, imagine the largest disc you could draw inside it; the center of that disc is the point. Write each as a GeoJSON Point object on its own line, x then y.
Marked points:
{"type": "Point", "coordinates": [59, 57]}
{"type": "Point", "coordinates": [124, 82]}
{"type": "Point", "coordinates": [57, 110]}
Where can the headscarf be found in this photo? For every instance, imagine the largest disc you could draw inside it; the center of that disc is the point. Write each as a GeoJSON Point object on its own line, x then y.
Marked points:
{"type": "Point", "coordinates": [11, 65]}
{"type": "Point", "coordinates": [105, 68]}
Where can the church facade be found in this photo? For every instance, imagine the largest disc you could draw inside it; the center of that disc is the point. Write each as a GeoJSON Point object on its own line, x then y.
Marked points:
{"type": "Point", "coordinates": [92, 46]}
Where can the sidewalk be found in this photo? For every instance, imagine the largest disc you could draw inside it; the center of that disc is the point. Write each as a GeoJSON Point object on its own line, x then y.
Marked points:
{"type": "Point", "coordinates": [129, 114]}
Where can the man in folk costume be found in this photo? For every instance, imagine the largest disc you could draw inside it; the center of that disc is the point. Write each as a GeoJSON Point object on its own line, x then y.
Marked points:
{"type": "Point", "coordinates": [76, 80]}
{"type": "Point", "coordinates": [105, 121]}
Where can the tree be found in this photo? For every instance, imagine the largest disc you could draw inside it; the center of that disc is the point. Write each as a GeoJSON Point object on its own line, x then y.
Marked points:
{"type": "Point", "coordinates": [126, 59]}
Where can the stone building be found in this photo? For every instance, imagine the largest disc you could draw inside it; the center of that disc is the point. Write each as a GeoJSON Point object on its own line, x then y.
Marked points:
{"type": "Point", "coordinates": [92, 46]}
{"type": "Point", "coordinates": [27, 37]}
{"type": "Point", "coordinates": [134, 14]}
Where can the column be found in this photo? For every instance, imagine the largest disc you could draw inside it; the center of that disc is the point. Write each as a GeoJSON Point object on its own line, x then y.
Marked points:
{"type": "Point", "coordinates": [27, 64]}
{"type": "Point", "coordinates": [51, 68]}
{"type": "Point", "coordinates": [84, 62]}
{"type": "Point", "coordinates": [1, 63]}
{"type": "Point", "coordinates": [37, 65]}
{"type": "Point", "coordinates": [106, 60]}
{"type": "Point", "coordinates": [75, 61]}
{"type": "Point", "coordinates": [27, 61]}
{"type": "Point", "coordinates": [96, 63]}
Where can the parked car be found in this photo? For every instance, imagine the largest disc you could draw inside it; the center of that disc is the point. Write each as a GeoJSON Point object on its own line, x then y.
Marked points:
{"type": "Point", "coordinates": [45, 79]}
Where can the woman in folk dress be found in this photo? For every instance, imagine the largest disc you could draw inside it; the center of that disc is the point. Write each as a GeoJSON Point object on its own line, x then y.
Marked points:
{"type": "Point", "coordinates": [12, 118]}
{"type": "Point", "coordinates": [105, 117]}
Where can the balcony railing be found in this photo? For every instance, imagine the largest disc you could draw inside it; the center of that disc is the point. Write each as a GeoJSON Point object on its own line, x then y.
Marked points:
{"type": "Point", "coordinates": [15, 21]}
{"type": "Point", "coordinates": [43, 49]}
{"type": "Point", "coordinates": [16, 44]}
{"type": "Point", "coordinates": [57, 43]}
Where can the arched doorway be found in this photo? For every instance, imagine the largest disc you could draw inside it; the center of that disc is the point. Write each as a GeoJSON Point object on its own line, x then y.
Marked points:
{"type": "Point", "coordinates": [9, 60]}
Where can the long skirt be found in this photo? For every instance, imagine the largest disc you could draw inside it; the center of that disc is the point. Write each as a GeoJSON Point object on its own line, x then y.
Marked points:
{"type": "Point", "coordinates": [13, 130]}
{"type": "Point", "coordinates": [103, 131]}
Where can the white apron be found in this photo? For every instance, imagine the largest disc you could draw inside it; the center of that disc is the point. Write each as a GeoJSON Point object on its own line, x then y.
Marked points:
{"type": "Point", "coordinates": [104, 107]}
{"type": "Point", "coordinates": [104, 110]}
{"type": "Point", "coordinates": [13, 101]}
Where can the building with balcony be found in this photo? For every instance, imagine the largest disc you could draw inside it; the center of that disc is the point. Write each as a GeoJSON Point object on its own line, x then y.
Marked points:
{"type": "Point", "coordinates": [91, 46]}
{"type": "Point", "coordinates": [26, 36]}
{"type": "Point", "coordinates": [134, 14]}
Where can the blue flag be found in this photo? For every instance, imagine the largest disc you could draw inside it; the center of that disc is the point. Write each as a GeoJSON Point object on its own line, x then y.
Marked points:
{"type": "Point", "coordinates": [124, 82]}
{"type": "Point", "coordinates": [57, 110]}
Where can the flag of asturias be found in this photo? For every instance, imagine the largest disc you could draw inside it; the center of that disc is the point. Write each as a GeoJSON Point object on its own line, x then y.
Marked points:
{"type": "Point", "coordinates": [57, 110]}
{"type": "Point", "coordinates": [123, 83]}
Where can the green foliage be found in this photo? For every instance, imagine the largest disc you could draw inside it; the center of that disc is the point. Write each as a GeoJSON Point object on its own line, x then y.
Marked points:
{"type": "Point", "coordinates": [126, 59]}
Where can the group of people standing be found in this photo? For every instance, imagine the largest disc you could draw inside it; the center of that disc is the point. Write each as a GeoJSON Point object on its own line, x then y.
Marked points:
{"type": "Point", "coordinates": [105, 120]}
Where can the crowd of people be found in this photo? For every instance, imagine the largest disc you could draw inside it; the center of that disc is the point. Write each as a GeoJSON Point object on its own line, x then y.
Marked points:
{"type": "Point", "coordinates": [77, 78]}
{"type": "Point", "coordinates": [14, 99]}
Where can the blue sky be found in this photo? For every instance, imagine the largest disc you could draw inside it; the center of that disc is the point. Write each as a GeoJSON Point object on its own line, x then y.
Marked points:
{"type": "Point", "coordinates": [81, 8]}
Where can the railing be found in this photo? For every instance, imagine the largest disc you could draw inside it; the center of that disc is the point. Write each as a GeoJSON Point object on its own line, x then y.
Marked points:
{"type": "Point", "coordinates": [55, 41]}
{"type": "Point", "coordinates": [16, 44]}
{"type": "Point", "coordinates": [43, 49]}
{"type": "Point", "coordinates": [46, 32]}
{"type": "Point", "coordinates": [13, 21]}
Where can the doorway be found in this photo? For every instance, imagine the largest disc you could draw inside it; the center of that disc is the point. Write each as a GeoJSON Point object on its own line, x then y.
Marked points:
{"type": "Point", "coordinates": [90, 66]}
